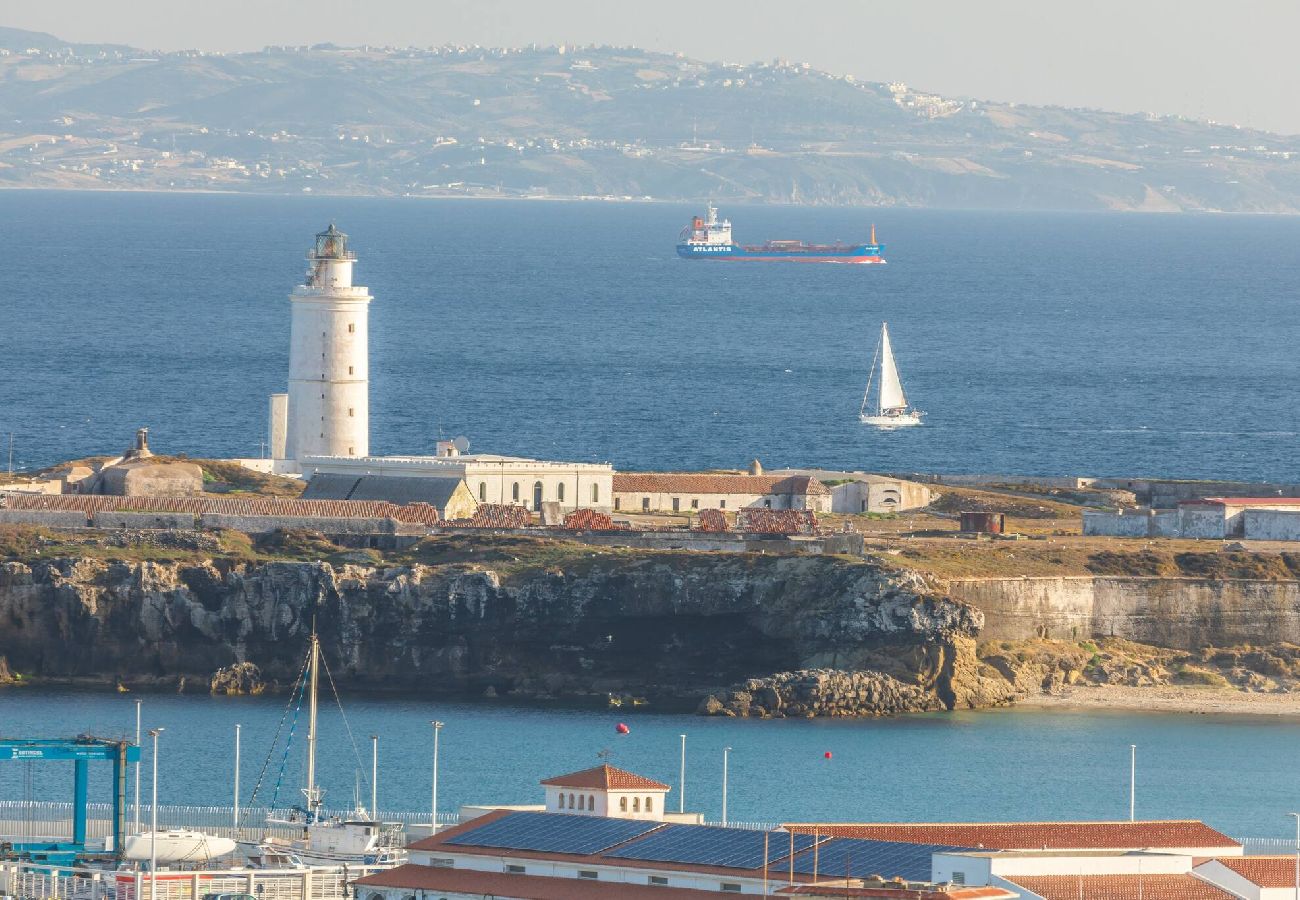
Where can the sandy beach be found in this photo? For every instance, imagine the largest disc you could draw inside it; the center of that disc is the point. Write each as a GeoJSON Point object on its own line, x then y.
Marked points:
{"type": "Point", "coordinates": [1168, 698]}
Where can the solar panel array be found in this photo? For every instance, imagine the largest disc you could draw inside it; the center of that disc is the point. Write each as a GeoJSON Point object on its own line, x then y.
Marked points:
{"type": "Point", "coordinates": [553, 833]}
{"type": "Point", "coordinates": [703, 845]}
{"type": "Point", "coordinates": [857, 858]}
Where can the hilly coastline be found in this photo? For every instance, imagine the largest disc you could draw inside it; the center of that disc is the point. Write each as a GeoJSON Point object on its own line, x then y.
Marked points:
{"type": "Point", "coordinates": [607, 122]}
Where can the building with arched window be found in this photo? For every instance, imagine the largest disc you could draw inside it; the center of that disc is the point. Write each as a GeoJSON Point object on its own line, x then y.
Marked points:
{"type": "Point", "coordinates": [607, 791]}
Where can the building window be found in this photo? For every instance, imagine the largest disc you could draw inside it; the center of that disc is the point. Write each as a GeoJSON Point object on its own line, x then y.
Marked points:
{"type": "Point", "coordinates": [351, 412]}
{"type": "Point", "coordinates": [561, 801]}
{"type": "Point", "coordinates": [958, 877]}
{"type": "Point", "coordinates": [636, 804]}
{"type": "Point", "coordinates": [649, 804]}
{"type": "Point", "coordinates": [618, 503]}
{"type": "Point", "coordinates": [588, 873]}
{"type": "Point", "coordinates": [645, 504]}
{"type": "Point", "coordinates": [595, 493]}
{"type": "Point", "coordinates": [352, 328]}
{"type": "Point", "coordinates": [767, 502]}
{"type": "Point", "coordinates": [722, 504]}
{"type": "Point", "coordinates": [442, 862]}
{"type": "Point", "coordinates": [352, 451]}
{"type": "Point", "coordinates": [731, 887]}
{"type": "Point", "coordinates": [571, 806]}
{"type": "Point", "coordinates": [677, 504]}
{"type": "Point", "coordinates": [695, 504]}
{"type": "Point", "coordinates": [482, 492]}
{"type": "Point", "coordinates": [559, 492]}
{"type": "Point", "coordinates": [657, 881]}
{"type": "Point", "coordinates": [591, 802]}
{"type": "Point", "coordinates": [515, 869]}
{"type": "Point", "coordinates": [351, 370]}
{"type": "Point", "coordinates": [622, 804]}
{"type": "Point", "coordinates": [582, 801]}
{"type": "Point", "coordinates": [514, 492]}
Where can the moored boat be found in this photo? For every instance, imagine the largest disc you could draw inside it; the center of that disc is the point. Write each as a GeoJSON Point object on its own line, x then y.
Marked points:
{"type": "Point", "coordinates": [892, 410]}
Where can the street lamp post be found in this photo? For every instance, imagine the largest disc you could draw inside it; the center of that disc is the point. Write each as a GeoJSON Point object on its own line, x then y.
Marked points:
{"type": "Point", "coordinates": [1132, 779]}
{"type": "Point", "coordinates": [153, 820]}
{"type": "Point", "coordinates": [1296, 816]}
{"type": "Point", "coordinates": [433, 804]}
{"type": "Point", "coordinates": [137, 769]}
{"type": "Point", "coordinates": [374, 776]}
{"type": "Point", "coordinates": [235, 823]}
{"type": "Point", "coordinates": [726, 751]}
{"type": "Point", "coordinates": [681, 781]}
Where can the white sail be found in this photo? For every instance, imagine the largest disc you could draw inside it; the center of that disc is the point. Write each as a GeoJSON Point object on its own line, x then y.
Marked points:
{"type": "Point", "coordinates": [891, 388]}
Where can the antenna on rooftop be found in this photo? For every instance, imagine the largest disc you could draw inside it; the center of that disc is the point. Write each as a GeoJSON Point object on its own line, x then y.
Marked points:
{"type": "Point", "coordinates": [11, 454]}
{"type": "Point", "coordinates": [605, 755]}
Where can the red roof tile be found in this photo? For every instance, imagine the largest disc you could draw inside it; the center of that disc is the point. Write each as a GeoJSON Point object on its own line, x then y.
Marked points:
{"type": "Point", "coordinates": [1120, 887]}
{"type": "Point", "coordinates": [692, 483]}
{"type": "Point", "coordinates": [528, 887]}
{"type": "Point", "coordinates": [884, 893]}
{"type": "Point", "coordinates": [606, 778]}
{"type": "Point", "coordinates": [1265, 871]}
{"type": "Point", "coordinates": [1035, 835]}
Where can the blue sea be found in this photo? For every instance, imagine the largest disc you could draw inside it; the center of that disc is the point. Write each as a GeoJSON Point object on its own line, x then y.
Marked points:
{"type": "Point", "coordinates": [1086, 344]}
{"type": "Point", "coordinates": [1237, 772]}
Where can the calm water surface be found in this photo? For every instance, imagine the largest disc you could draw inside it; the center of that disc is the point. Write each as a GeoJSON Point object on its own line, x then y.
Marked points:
{"type": "Point", "coordinates": [1238, 773]}
{"type": "Point", "coordinates": [1071, 343]}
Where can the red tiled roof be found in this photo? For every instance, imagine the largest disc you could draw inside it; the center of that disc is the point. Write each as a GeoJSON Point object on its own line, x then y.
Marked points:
{"type": "Point", "coordinates": [528, 887]}
{"type": "Point", "coordinates": [1120, 887]}
{"type": "Point", "coordinates": [1035, 835]}
{"type": "Point", "coordinates": [1265, 871]}
{"type": "Point", "coordinates": [691, 483]}
{"type": "Point", "coordinates": [607, 778]}
{"type": "Point", "coordinates": [884, 893]}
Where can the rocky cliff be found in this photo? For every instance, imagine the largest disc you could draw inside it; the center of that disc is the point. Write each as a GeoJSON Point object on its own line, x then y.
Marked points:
{"type": "Point", "coordinates": [670, 626]}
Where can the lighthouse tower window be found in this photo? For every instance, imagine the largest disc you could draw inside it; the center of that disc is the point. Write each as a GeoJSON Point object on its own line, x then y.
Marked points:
{"type": "Point", "coordinates": [352, 328]}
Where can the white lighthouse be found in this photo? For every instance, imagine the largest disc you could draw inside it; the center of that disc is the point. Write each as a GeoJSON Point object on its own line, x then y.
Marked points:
{"type": "Point", "coordinates": [329, 372]}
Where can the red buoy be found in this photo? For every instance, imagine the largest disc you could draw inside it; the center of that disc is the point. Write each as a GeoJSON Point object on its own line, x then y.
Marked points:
{"type": "Point", "coordinates": [622, 729]}
{"type": "Point", "coordinates": [828, 754]}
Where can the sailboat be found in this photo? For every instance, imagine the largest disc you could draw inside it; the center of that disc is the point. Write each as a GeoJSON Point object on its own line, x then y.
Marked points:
{"type": "Point", "coordinates": [891, 409]}
{"type": "Point", "coordinates": [358, 838]}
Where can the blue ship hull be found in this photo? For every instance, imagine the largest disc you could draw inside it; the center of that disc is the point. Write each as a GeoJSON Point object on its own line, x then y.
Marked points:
{"type": "Point", "coordinates": [856, 253]}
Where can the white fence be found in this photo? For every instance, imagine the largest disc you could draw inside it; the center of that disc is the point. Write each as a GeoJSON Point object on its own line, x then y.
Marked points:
{"type": "Point", "coordinates": [28, 881]}
{"type": "Point", "coordinates": [51, 819]}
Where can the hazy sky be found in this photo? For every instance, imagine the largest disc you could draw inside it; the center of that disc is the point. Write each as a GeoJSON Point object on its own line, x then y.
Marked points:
{"type": "Point", "coordinates": [1230, 61]}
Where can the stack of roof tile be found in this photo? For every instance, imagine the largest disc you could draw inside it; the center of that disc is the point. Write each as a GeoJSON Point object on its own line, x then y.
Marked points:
{"type": "Point", "coordinates": [588, 520]}
{"type": "Point", "coordinates": [495, 515]}
{"type": "Point", "coordinates": [712, 520]}
{"type": "Point", "coordinates": [777, 521]}
{"type": "Point", "coordinates": [419, 513]}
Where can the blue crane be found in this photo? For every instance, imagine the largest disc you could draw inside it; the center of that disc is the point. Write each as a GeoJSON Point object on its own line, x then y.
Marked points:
{"type": "Point", "coordinates": [81, 751]}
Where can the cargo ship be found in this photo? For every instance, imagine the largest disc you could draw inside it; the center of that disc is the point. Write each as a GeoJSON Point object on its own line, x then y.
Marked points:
{"type": "Point", "coordinates": [710, 238]}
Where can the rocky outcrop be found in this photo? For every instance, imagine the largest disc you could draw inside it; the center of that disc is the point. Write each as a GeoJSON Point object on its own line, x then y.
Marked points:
{"type": "Point", "coordinates": [667, 626]}
{"type": "Point", "coordinates": [955, 679]}
{"type": "Point", "coordinates": [240, 678]}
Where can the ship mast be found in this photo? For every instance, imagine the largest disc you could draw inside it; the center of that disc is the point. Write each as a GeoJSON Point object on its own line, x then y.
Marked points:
{"type": "Point", "coordinates": [310, 791]}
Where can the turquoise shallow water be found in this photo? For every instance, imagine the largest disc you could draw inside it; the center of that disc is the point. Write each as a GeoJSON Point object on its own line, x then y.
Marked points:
{"type": "Point", "coordinates": [1238, 772]}
{"type": "Point", "coordinates": [1037, 343]}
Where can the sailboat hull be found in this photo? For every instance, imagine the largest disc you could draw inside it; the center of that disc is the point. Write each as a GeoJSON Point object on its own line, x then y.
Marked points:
{"type": "Point", "coordinates": [900, 421]}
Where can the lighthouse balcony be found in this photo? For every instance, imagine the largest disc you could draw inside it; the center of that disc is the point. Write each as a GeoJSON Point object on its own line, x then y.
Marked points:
{"type": "Point", "coordinates": [314, 288]}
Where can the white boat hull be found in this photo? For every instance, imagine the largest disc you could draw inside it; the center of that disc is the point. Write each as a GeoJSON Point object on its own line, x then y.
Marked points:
{"type": "Point", "coordinates": [899, 421]}
{"type": "Point", "coordinates": [176, 846]}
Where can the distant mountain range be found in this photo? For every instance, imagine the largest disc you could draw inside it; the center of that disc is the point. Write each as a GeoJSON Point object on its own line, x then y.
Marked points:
{"type": "Point", "coordinates": [592, 121]}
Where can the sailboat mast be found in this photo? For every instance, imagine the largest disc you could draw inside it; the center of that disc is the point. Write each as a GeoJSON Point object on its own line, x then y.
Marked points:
{"type": "Point", "coordinates": [310, 791]}
{"type": "Point", "coordinates": [884, 345]}
{"type": "Point", "coordinates": [871, 373]}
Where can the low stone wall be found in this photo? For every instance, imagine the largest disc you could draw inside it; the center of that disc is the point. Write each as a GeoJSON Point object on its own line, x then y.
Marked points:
{"type": "Point", "coordinates": [325, 525]}
{"type": "Point", "coordinates": [1139, 523]}
{"type": "Point", "coordinates": [50, 518]}
{"type": "Point", "coordinates": [1182, 613]}
{"type": "Point", "coordinates": [129, 519]}
{"type": "Point", "coordinates": [725, 542]}
{"type": "Point", "coordinates": [1271, 524]}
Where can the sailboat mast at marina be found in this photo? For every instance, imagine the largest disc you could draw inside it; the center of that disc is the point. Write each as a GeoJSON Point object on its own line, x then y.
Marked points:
{"type": "Point", "coordinates": [892, 410]}
{"type": "Point", "coordinates": [358, 837]}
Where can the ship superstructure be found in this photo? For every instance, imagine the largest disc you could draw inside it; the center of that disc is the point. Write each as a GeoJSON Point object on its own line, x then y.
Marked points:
{"type": "Point", "coordinates": [710, 238]}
